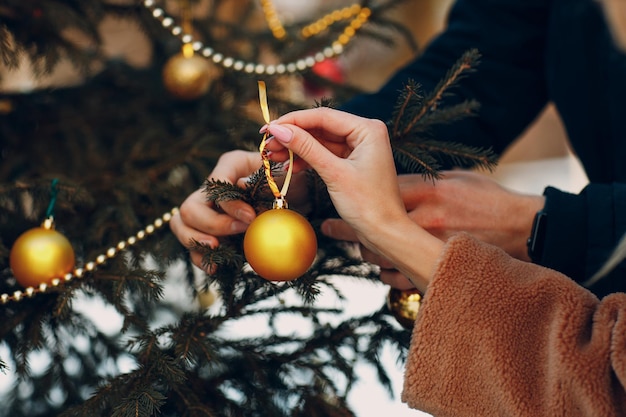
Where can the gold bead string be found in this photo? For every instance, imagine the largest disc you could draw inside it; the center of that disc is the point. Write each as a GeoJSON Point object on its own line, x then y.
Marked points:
{"type": "Point", "coordinates": [336, 47]}
{"type": "Point", "coordinates": [110, 253]}
{"type": "Point", "coordinates": [360, 14]}
{"type": "Point", "coordinates": [272, 19]}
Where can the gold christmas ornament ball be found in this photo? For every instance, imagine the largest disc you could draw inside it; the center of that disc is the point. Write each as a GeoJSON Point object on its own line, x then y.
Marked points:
{"type": "Point", "coordinates": [188, 77]}
{"type": "Point", "coordinates": [39, 255]}
{"type": "Point", "coordinates": [280, 245]}
{"type": "Point", "coordinates": [404, 305]}
{"type": "Point", "coordinates": [206, 298]}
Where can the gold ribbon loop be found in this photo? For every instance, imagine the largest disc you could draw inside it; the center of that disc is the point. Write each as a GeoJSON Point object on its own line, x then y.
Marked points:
{"type": "Point", "coordinates": [279, 194]}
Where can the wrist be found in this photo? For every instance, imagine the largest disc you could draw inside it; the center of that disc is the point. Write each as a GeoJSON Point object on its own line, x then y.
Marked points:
{"type": "Point", "coordinates": [411, 249]}
{"type": "Point", "coordinates": [525, 229]}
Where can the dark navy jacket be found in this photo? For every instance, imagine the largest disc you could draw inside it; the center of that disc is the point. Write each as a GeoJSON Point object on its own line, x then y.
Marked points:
{"type": "Point", "coordinates": [533, 52]}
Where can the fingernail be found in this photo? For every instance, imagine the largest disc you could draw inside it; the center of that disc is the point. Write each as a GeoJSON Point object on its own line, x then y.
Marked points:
{"type": "Point", "coordinates": [245, 216]}
{"type": "Point", "coordinates": [238, 226]}
{"type": "Point", "coordinates": [281, 133]}
{"type": "Point", "coordinates": [263, 129]}
{"type": "Point", "coordinates": [211, 243]}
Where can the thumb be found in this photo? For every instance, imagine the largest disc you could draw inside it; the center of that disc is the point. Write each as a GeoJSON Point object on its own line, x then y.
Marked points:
{"type": "Point", "coordinates": [304, 145]}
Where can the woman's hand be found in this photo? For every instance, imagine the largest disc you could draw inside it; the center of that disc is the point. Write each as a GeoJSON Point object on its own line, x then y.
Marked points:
{"type": "Point", "coordinates": [199, 220]}
{"type": "Point", "coordinates": [353, 157]}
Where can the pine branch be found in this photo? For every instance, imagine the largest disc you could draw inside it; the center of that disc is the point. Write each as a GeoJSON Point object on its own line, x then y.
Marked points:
{"type": "Point", "coordinates": [218, 191]}
{"type": "Point", "coordinates": [445, 115]}
{"type": "Point", "coordinates": [410, 96]}
{"type": "Point", "coordinates": [461, 155]}
{"type": "Point", "coordinates": [140, 403]}
{"type": "Point", "coordinates": [414, 116]}
{"type": "Point", "coordinates": [415, 159]}
{"type": "Point", "coordinates": [462, 67]}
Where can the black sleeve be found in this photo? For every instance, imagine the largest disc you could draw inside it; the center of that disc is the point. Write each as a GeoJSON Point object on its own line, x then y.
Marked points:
{"type": "Point", "coordinates": [581, 232]}
{"type": "Point", "coordinates": [508, 83]}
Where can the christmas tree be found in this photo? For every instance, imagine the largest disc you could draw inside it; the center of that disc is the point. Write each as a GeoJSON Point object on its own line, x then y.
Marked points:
{"type": "Point", "coordinates": [93, 170]}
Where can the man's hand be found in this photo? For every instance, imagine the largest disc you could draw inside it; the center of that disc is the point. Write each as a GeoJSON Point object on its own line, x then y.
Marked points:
{"type": "Point", "coordinates": [459, 201]}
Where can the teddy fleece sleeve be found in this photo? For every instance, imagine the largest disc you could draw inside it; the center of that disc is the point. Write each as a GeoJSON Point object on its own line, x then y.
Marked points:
{"type": "Point", "coordinates": [499, 337]}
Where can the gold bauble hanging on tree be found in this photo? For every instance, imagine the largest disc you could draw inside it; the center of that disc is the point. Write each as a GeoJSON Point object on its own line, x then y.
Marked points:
{"type": "Point", "coordinates": [206, 298]}
{"type": "Point", "coordinates": [188, 76]}
{"type": "Point", "coordinates": [280, 245]}
{"type": "Point", "coordinates": [404, 305]}
{"type": "Point", "coordinates": [40, 255]}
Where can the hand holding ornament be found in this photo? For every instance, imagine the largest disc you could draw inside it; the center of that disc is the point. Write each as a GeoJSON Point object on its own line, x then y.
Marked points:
{"type": "Point", "coordinates": [353, 157]}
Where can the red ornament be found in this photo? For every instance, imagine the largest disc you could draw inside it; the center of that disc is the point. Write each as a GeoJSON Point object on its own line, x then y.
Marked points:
{"type": "Point", "coordinates": [329, 69]}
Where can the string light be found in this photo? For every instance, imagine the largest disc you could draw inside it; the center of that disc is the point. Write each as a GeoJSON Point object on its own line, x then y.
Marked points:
{"type": "Point", "coordinates": [231, 63]}
{"type": "Point", "coordinates": [91, 266]}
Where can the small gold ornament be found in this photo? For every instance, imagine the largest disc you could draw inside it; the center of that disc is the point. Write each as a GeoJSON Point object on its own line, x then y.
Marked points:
{"type": "Point", "coordinates": [280, 244]}
{"type": "Point", "coordinates": [404, 305]}
{"type": "Point", "coordinates": [40, 255]}
{"type": "Point", "coordinates": [188, 76]}
{"type": "Point", "coordinates": [206, 298]}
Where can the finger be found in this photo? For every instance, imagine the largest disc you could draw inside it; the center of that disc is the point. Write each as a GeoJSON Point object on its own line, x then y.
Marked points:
{"type": "Point", "coordinates": [299, 164]}
{"type": "Point", "coordinates": [325, 137]}
{"type": "Point", "coordinates": [373, 258]}
{"type": "Point", "coordinates": [233, 167]}
{"type": "Point", "coordinates": [200, 217]}
{"type": "Point", "coordinates": [306, 146]}
{"type": "Point", "coordinates": [395, 279]}
{"type": "Point", "coordinates": [278, 153]}
{"type": "Point", "coordinates": [236, 164]}
{"type": "Point", "coordinates": [338, 229]}
{"type": "Point", "coordinates": [334, 124]}
{"type": "Point", "coordinates": [239, 211]}
{"type": "Point", "coordinates": [187, 235]}
{"type": "Point", "coordinates": [414, 189]}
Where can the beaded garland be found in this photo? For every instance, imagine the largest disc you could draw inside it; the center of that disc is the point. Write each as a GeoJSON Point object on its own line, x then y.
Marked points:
{"type": "Point", "coordinates": [91, 266]}
{"type": "Point", "coordinates": [334, 49]}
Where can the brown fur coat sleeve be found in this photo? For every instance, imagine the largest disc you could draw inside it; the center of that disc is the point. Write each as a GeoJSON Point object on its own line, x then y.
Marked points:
{"type": "Point", "coordinates": [499, 337]}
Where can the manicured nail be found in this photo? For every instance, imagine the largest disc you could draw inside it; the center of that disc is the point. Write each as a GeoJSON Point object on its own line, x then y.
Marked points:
{"type": "Point", "coordinates": [238, 227]}
{"type": "Point", "coordinates": [281, 133]}
{"type": "Point", "coordinates": [263, 129]}
{"type": "Point", "coordinates": [245, 216]}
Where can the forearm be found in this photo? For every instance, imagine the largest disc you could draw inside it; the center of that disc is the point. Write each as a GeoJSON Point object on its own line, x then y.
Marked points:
{"type": "Point", "coordinates": [412, 250]}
